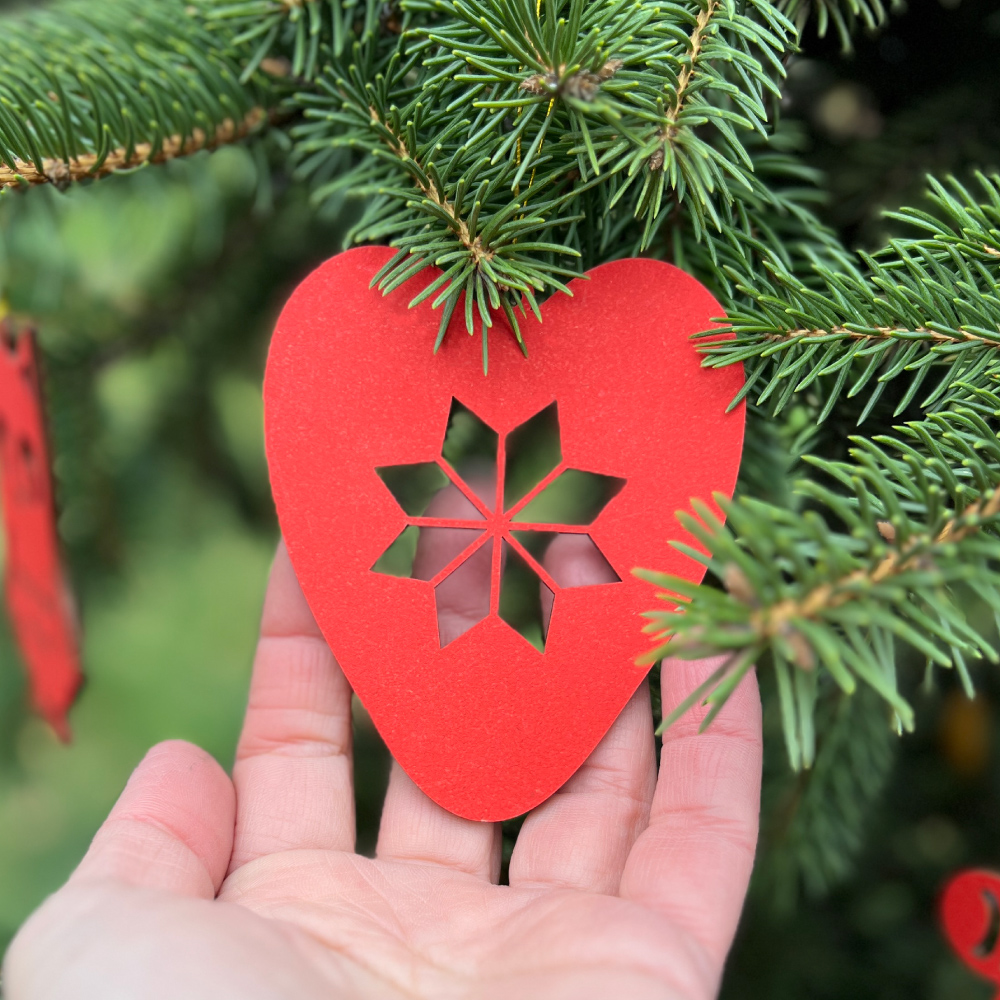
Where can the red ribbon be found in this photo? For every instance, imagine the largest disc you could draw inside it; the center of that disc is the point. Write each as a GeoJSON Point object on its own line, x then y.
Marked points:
{"type": "Point", "coordinates": [38, 599]}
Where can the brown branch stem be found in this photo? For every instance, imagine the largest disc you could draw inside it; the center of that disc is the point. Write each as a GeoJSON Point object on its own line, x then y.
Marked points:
{"type": "Point", "coordinates": [775, 620]}
{"type": "Point", "coordinates": [87, 165]}
{"type": "Point", "coordinates": [429, 189]}
{"type": "Point", "coordinates": [883, 332]}
{"type": "Point", "coordinates": [696, 41]}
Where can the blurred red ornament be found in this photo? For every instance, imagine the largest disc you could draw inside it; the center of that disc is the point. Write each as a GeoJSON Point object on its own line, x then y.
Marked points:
{"type": "Point", "coordinates": [485, 721]}
{"type": "Point", "coordinates": [970, 916]}
{"type": "Point", "coordinates": [38, 599]}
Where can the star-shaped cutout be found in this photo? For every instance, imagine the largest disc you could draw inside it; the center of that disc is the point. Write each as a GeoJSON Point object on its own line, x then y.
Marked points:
{"type": "Point", "coordinates": [519, 515]}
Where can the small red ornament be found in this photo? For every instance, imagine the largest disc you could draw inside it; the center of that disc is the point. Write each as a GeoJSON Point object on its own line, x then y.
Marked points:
{"type": "Point", "coordinates": [970, 916]}
{"type": "Point", "coordinates": [38, 599]}
{"type": "Point", "coordinates": [486, 721]}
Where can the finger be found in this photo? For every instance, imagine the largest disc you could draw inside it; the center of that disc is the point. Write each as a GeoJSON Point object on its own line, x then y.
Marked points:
{"type": "Point", "coordinates": [573, 561]}
{"type": "Point", "coordinates": [418, 830]}
{"type": "Point", "coordinates": [463, 596]}
{"type": "Point", "coordinates": [171, 828]}
{"type": "Point", "coordinates": [413, 827]}
{"type": "Point", "coordinates": [293, 771]}
{"type": "Point", "coordinates": [580, 838]}
{"type": "Point", "coordinates": [693, 862]}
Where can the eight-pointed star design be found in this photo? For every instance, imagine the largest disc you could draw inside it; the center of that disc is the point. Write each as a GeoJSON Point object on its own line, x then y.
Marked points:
{"type": "Point", "coordinates": [483, 527]}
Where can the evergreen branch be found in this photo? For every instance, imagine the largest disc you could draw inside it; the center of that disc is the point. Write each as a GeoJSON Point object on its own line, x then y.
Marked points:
{"type": "Point", "coordinates": [777, 620]}
{"type": "Point", "coordinates": [424, 182]}
{"type": "Point", "coordinates": [443, 204]}
{"type": "Point", "coordinates": [846, 16]}
{"type": "Point", "coordinates": [874, 558]}
{"type": "Point", "coordinates": [89, 166]}
{"type": "Point", "coordinates": [305, 33]}
{"type": "Point", "coordinates": [440, 127]}
{"type": "Point", "coordinates": [88, 88]}
{"type": "Point", "coordinates": [926, 306]}
{"type": "Point", "coordinates": [775, 219]}
{"type": "Point", "coordinates": [695, 43]}
{"type": "Point", "coordinates": [719, 82]}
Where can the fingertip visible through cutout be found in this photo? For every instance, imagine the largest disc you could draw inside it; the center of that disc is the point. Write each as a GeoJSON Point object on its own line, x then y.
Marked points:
{"type": "Point", "coordinates": [438, 548]}
{"type": "Point", "coordinates": [570, 559]}
{"type": "Point", "coordinates": [462, 598]}
{"type": "Point", "coordinates": [421, 553]}
{"type": "Point", "coordinates": [454, 525]}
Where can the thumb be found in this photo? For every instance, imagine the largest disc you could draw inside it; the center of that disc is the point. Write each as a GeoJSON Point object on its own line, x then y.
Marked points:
{"type": "Point", "coordinates": [171, 828]}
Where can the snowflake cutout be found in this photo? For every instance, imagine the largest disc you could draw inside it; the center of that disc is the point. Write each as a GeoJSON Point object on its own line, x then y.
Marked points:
{"type": "Point", "coordinates": [495, 523]}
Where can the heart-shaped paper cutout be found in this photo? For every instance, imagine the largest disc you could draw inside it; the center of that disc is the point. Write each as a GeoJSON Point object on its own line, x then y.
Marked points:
{"type": "Point", "coordinates": [487, 724]}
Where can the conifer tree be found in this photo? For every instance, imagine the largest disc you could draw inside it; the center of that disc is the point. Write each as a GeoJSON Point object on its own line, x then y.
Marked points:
{"type": "Point", "coordinates": [511, 145]}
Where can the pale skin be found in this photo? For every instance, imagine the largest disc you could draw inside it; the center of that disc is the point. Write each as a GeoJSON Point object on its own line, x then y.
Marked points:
{"type": "Point", "coordinates": [624, 884]}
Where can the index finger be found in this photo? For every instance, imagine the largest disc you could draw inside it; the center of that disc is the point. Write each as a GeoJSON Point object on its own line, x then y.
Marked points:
{"type": "Point", "coordinates": [293, 771]}
{"type": "Point", "coordinates": [693, 862]}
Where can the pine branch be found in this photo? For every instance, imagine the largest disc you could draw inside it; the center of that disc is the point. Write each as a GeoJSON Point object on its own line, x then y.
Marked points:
{"type": "Point", "coordinates": [925, 307]}
{"type": "Point", "coordinates": [775, 220]}
{"type": "Point", "coordinates": [872, 558]}
{"type": "Point", "coordinates": [89, 166]}
{"type": "Point", "coordinates": [696, 42]}
{"type": "Point", "coordinates": [484, 239]}
{"type": "Point", "coordinates": [695, 149]}
{"type": "Point", "coordinates": [294, 37]}
{"type": "Point", "coordinates": [489, 132]}
{"type": "Point", "coordinates": [777, 620]}
{"type": "Point", "coordinates": [90, 88]}
{"type": "Point", "coordinates": [424, 181]}
{"type": "Point", "coordinates": [845, 16]}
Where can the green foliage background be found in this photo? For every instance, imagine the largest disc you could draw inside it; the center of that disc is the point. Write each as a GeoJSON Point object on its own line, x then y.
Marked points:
{"type": "Point", "coordinates": [155, 294]}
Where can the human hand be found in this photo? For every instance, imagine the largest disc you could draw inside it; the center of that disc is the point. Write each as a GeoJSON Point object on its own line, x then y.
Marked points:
{"type": "Point", "coordinates": [200, 887]}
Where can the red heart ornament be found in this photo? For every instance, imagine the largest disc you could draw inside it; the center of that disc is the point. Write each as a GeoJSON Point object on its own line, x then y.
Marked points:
{"type": "Point", "coordinates": [486, 723]}
{"type": "Point", "coordinates": [970, 906]}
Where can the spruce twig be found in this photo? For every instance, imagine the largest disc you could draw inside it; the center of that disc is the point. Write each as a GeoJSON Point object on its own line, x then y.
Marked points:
{"type": "Point", "coordinates": [845, 16]}
{"type": "Point", "coordinates": [777, 620]}
{"type": "Point", "coordinates": [89, 88]}
{"type": "Point", "coordinates": [695, 43]}
{"type": "Point", "coordinates": [873, 556]}
{"type": "Point", "coordinates": [925, 306]}
{"type": "Point", "coordinates": [90, 166]}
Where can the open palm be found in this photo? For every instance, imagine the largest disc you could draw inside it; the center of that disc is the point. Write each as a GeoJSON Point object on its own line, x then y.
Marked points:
{"type": "Point", "coordinates": [622, 885]}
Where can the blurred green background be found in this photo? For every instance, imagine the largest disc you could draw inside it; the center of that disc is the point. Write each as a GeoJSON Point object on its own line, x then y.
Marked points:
{"type": "Point", "coordinates": [155, 294]}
